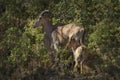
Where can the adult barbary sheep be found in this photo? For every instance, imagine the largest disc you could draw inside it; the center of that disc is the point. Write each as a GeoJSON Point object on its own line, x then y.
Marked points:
{"type": "Point", "coordinates": [59, 34]}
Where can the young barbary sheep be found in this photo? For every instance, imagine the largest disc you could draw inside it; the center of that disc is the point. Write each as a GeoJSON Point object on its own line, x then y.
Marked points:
{"type": "Point", "coordinates": [79, 54]}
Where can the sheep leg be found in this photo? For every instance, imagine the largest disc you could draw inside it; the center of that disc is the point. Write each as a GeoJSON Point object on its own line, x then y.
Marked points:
{"type": "Point", "coordinates": [81, 67]}
{"type": "Point", "coordinates": [56, 50]}
{"type": "Point", "coordinates": [68, 43]}
{"type": "Point", "coordinates": [55, 55]}
{"type": "Point", "coordinates": [81, 42]}
{"type": "Point", "coordinates": [75, 66]}
{"type": "Point", "coordinates": [81, 63]}
{"type": "Point", "coordinates": [73, 50]}
{"type": "Point", "coordinates": [76, 62]}
{"type": "Point", "coordinates": [55, 46]}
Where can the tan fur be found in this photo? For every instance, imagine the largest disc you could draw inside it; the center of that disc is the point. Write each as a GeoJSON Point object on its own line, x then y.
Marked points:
{"type": "Point", "coordinates": [66, 34]}
{"type": "Point", "coordinates": [71, 31]}
{"type": "Point", "coordinates": [78, 52]}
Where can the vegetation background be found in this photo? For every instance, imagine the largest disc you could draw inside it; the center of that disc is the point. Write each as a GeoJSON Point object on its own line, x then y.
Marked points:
{"type": "Point", "coordinates": [22, 52]}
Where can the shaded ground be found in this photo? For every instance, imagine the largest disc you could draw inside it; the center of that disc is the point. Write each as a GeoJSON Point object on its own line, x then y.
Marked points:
{"type": "Point", "coordinates": [52, 75]}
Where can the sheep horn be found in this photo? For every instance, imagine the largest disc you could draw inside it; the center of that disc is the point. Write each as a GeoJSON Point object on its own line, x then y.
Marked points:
{"type": "Point", "coordinates": [43, 12]}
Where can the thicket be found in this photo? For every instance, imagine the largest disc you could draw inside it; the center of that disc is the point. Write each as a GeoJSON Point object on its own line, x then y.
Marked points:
{"type": "Point", "coordinates": [22, 52]}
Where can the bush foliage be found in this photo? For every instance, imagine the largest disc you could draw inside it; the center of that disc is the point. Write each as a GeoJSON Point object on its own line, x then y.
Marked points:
{"type": "Point", "coordinates": [22, 52]}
